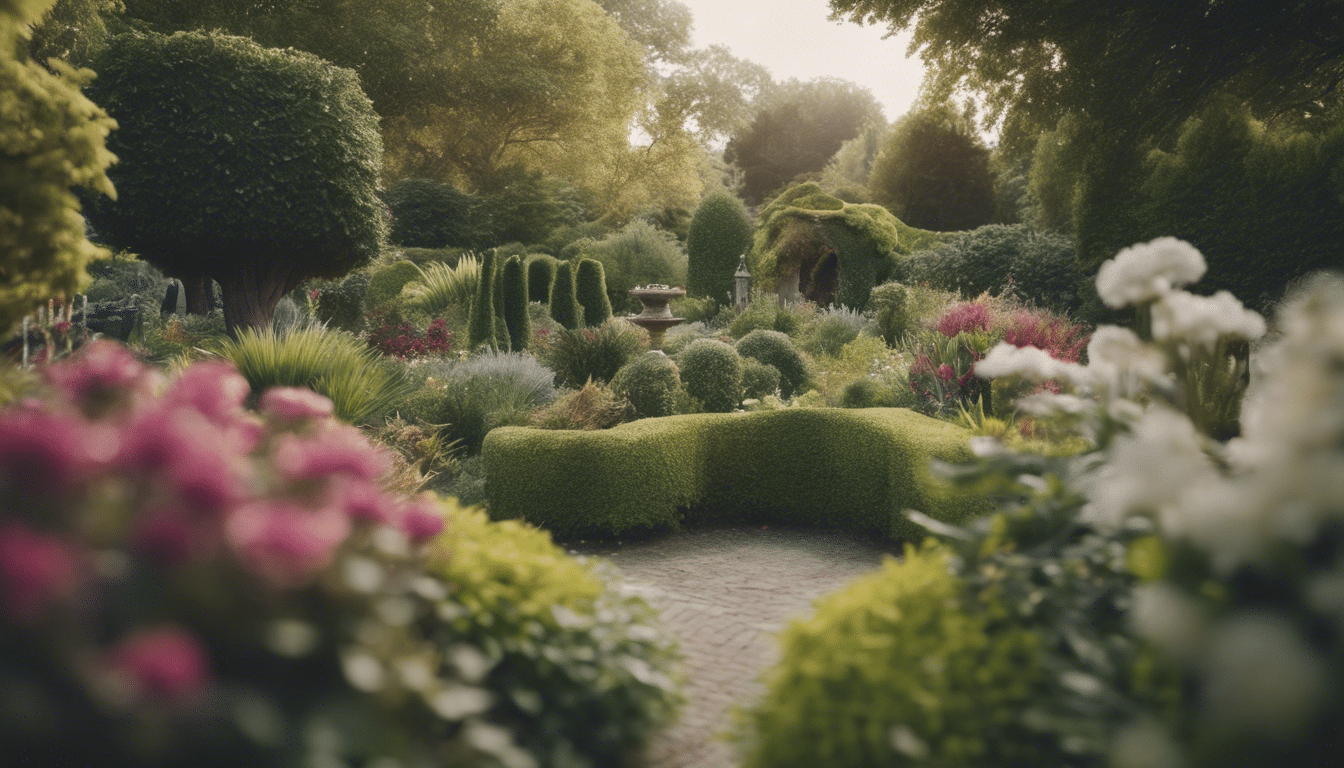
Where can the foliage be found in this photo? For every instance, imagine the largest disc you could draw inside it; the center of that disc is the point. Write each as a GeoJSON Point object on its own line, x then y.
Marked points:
{"type": "Point", "coordinates": [530, 207]}
{"type": "Point", "coordinates": [428, 213]}
{"type": "Point", "coordinates": [340, 304]}
{"type": "Point", "coordinates": [578, 666]}
{"type": "Point", "coordinates": [766, 312]}
{"type": "Point", "coordinates": [432, 461]}
{"type": "Point", "coordinates": [228, 628]}
{"type": "Point", "coordinates": [208, 193]}
{"type": "Point", "coordinates": [888, 304]}
{"type": "Point", "coordinates": [440, 286]}
{"type": "Point", "coordinates": [852, 470]}
{"type": "Point", "coordinates": [53, 140]}
{"type": "Point", "coordinates": [591, 406]}
{"type": "Point", "coordinates": [166, 337]}
{"type": "Point", "coordinates": [777, 349]}
{"type": "Point", "coordinates": [395, 336]}
{"type": "Point", "coordinates": [759, 379]}
{"type": "Point", "coordinates": [999, 258]}
{"type": "Point", "coordinates": [712, 374]}
{"type": "Point", "coordinates": [637, 254]}
{"type": "Point", "coordinates": [387, 280]}
{"type": "Point", "coordinates": [581, 354]}
{"type": "Point", "coordinates": [720, 234]}
{"type": "Point", "coordinates": [832, 329]}
{"type": "Point", "coordinates": [902, 665]}
{"type": "Point", "coordinates": [798, 127]}
{"type": "Point", "coordinates": [117, 278]}
{"type": "Point", "coordinates": [513, 288]}
{"type": "Point", "coordinates": [651, 383]}
{"type": "Point", "coordinates": [335, 364]}
{"type": "Point", "coordinates": [803, 228]}
{"type": "Point", "coordinates": [466, 400]}
{"type": "Point", "coordinates": [933, 172]}
{"type": "Point", "coordinates": [565, 307]}
{"type": "Point", "coordinates": [943, 372]}
{"type": "Point", "coordinates": [482, 328]}
{"type": "Point", "coordinates": [1057, 335]}
{"type": "Point", "coordinates": [590, 288]}
{"type": "Point", "coordinates": [540, 277]}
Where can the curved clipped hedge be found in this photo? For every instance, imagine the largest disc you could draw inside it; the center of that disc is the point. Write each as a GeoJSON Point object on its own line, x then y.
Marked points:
{"type": "Point", "coordinates": [849, 469]}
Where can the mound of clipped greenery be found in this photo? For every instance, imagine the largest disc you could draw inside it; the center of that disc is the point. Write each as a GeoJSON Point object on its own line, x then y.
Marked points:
{"type": "Point", "coordinates": [576, 666]}
{"type": "Point", "coordinates": [804, 224]}
{"type": "Point", "coordinates": [386, 281]}
{"type": "Point", "coordinates": [712, 373]}
{"type": "Point", "coordinates": [845, 469]}
{"type": "Point", "coordinates": [777, 349]}
{"type": "Point", "coordinates": [719, 234]}
{"type": "Point", "coordinates": [901, 667]}
{"type": "Point", "coordinates": [650, 382]}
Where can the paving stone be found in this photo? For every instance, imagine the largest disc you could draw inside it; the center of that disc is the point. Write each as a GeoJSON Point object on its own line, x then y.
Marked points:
{"type": "Point", "coordinates": [726, 593]}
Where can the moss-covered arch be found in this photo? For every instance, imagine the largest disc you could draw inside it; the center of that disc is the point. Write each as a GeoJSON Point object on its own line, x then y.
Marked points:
{"type": "Point", "coordinates": [812, 245]}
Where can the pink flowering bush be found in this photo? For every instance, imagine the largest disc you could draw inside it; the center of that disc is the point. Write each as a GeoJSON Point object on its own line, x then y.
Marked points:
{"type": "Point", "coordinates": [185, 582]}
{"type": "Point", "coordinates": [396, 337]}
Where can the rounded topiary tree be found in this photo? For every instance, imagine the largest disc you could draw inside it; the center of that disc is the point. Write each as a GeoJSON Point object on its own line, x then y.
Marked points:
{"type": "Point", "coordinates": [51, 139]}
{"type": "Point", "coordinates": [540, 278]}
{"type": "Point", "coordinates": [513, 288]}
{"type": "Point", "coordinates": [591, 291]}
{"type": "Point", "coordinates": [428, 213]}
{"type": "Point", "coordinates": [252, 166]}
{"type": "Point", "coordinates": [720, 234]}
{"type": "Point", "coordinates": [711, 371]}
{"type": "Point", "coordinates": [564, 303]}
{"type": "Point", "coordinates": [650, 382]}
{"type": "Point", "coordinates": [776, 349]}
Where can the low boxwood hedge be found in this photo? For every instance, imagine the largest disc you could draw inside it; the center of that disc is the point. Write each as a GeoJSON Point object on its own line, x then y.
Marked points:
{"type": "Point", "coordinates": [854, 470]}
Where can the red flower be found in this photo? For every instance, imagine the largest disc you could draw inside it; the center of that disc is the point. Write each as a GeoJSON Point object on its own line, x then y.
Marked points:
{"type": "Point", "coordinates": [969, 316]}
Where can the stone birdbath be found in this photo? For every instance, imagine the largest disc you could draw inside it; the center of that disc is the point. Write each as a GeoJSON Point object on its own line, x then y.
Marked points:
{"type": "Point", "coordinates": [656, 317]}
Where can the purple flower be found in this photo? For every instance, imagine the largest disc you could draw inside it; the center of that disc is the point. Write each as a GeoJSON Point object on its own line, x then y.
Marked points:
{"type": "Point", "coordinates": [163, 663]}
{"type": "Point", "coordinates": [44, 454]}
{"type": "Point", "coordinates": [35, 570]}
{"type": "Point", "coordinates": [100, 376]}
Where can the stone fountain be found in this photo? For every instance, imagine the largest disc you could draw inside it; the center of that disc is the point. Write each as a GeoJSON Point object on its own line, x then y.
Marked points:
{"type": "Point", "coordinates": [656, 317]}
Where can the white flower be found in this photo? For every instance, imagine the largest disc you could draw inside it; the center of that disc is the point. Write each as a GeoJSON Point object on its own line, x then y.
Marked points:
{"type": "Point", "coordinates": [1028, 362]}
{"type": "Point", "coordinates": [1142, 272]}
{"type": "Point", "coordinates": [1262, 676]}
{"type": "Point", "coordinates": [1170, 619]}
{"type": "Point", "coordinates": [1184, 317]}
{"type": "Point", "coordinates": [1047, 404]}
{"type": "Point", "coordinates": [1120, 362]}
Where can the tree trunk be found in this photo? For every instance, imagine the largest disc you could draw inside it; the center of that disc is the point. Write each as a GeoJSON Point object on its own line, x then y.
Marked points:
{"type": "Point", "coordinates": [251, 293]}
{"type": "Point", "coordinates": [199, 300]}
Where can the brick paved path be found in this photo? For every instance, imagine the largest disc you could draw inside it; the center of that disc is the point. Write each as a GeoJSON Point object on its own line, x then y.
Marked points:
{"type": "Point", "coordinates": [726, 593]}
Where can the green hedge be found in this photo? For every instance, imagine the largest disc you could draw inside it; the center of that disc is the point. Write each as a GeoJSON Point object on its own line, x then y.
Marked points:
{"type": "Point", "coordinates": [849, 469]}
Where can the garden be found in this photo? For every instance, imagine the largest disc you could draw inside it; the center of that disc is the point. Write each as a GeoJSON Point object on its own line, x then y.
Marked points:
{"type": "Point", "coordinates": [317, 370]}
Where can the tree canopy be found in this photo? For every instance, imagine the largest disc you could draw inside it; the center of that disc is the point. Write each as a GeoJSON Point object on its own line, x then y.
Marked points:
{"type": "Point", "coordinates": [933, 172]}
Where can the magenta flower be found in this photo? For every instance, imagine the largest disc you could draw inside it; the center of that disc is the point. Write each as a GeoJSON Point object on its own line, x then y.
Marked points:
{"type": "Point", "coordinates": [99, 376]}
{"type": "Point", "coordinates": [285, 542]}
{"type": "Point", "coordinates": [422, 519]}
{"type": "Point", "coordinates": [337, 450]}
{"type": "Point", "coordinates": [967, 316]}
{"type": "Point", "coordinates": [35, 570]}
{"type": "Point", "coordinates": [295, 403]}
{"type": "Point", "coordinates": [163, 663]}
{"type": "Point", "coordinates": [362, 501]}
{"type": "Point", "coordinates": [214, 389]}
{"type": "Point", "coordinates": [44, 454]}
{"type": "Point", "coordinates": [172, 538]}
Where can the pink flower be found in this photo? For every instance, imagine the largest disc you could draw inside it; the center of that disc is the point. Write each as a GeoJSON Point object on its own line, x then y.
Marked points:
{"type": "Point", "coordinates": [285, 542]}
{"type": "Point", "coordinates": [968, 316]}
{"type": "Point", "coordinates": [295, 403]}
{"type": "Point", "coordinates": [163, 663]}
{"type": "Point", "coordinates": [43, 454]}
{"type": "Point", "coordinates": [362, 501]}
{"type": "Point", "coordinates": [35, 570]}
{"type": "Point", "coordinates": [339, 450]}
{"type": "Point", "coordinates": [171, 539]}
{"type": "Point", "coordinates": [96, 377]}
{"type": "Point", "coordinates": [422, 519]}
{"type": "Point", "coordinates": [214, 389]}
{"type": "Point", "coordinates": [189, 457]}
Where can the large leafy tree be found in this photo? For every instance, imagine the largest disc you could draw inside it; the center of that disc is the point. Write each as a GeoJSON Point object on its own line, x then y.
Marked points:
{"type": "Point", "coordinates": [797, 129]}
{"type": "Point", "coordinates": [933, 172]}
{"type": "Point", "coordinates": [720, 234]}
{"type": "Point", "coordinates": [51, 139]}
{"type": "Point", "coordinates": [255, 167]}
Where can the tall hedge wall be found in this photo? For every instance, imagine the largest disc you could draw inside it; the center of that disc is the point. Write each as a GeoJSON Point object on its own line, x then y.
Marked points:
{"type": "Point", "coordinates": [854, 470]}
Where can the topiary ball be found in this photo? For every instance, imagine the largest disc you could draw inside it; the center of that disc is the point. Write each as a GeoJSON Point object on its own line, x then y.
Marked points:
{"type": "Point", "coordinates": [650, 382]}
{"type": "Point", "coordinates": [774, 348]}
{"type": "Point", "coordinates": [711, 371]}
{"type": "Point", "coordinates": [901, 667]}
{"type": "Point", "coordinates": [386, 282]}
{"type": "Point", "coordinates": [759, 379]}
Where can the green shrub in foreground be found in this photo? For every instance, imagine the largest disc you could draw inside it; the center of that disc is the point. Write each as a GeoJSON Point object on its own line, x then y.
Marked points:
{"type": "Point", "coordinates": [650, 382]}
{"type": "Point", "coordinates": [901, 667]}
{"type": "Point", "coordinates": [775, 348]}
{"type": "Point", "coordinates": [577, 666]}
{"type": "Point", "coordinates": [712, 373]}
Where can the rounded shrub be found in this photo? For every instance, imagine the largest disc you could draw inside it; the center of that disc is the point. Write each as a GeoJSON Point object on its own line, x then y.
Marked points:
{"type": "Point", "coordinates": [711, 371]}
{"type": "Point", "coordinates": [638, 254]}
{"type": "Point", "coordinates": [540, 277]}
{"type": "Point", "coordinates": [888, 304]}
{"type": "Point", "coordinates": [720, 233]}
{"type": "Point", "coordinates": [565, 307]}
{"type": "Point", "coordinates": [831, 330]}
{"type": "Point", "coordinates": [340, 304]}
{"type": "Point", "coordinates": [591, 291]}
{"type": "Point", "coordinates": [429, 213]}
{"type": "Point", "coordinates": [774, 348]}
{"type": "Point", "coordinates": [579, 669]}
{"type": "Point", "coordinates": [650, 382]}
{"type": "Point", "coordinates": [901, 667]}
{"type": "Point", "coordinates": [386, 282]}
{"type": "Point", "coordinates": [759, 379]}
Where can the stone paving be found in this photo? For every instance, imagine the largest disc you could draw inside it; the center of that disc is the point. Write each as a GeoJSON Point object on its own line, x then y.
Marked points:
{"type": "Point", "coordinates": [726, 593]}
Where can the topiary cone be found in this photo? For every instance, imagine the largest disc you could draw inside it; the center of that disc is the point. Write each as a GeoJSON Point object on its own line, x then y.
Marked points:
{"type": "Point", "coordinates": [564, 303]}
{"type": "Point", "coordinates": [591, 291]}
{"type": "Point", "coordinates": [482, 327]}
{"type": "Point", "coordinates": [513, 287]}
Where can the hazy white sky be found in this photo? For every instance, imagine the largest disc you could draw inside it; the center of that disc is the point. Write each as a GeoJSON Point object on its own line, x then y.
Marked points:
{"type": "Point", "coordinates": [793, 38]}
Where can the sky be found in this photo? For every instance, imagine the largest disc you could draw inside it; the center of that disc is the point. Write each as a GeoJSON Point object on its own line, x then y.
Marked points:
{"type": "Point", "coordinates": [794, 38]}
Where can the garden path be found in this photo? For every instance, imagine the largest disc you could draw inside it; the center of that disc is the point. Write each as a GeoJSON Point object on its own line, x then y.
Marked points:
{"type": "Point", "coordinates": [726, 593]}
